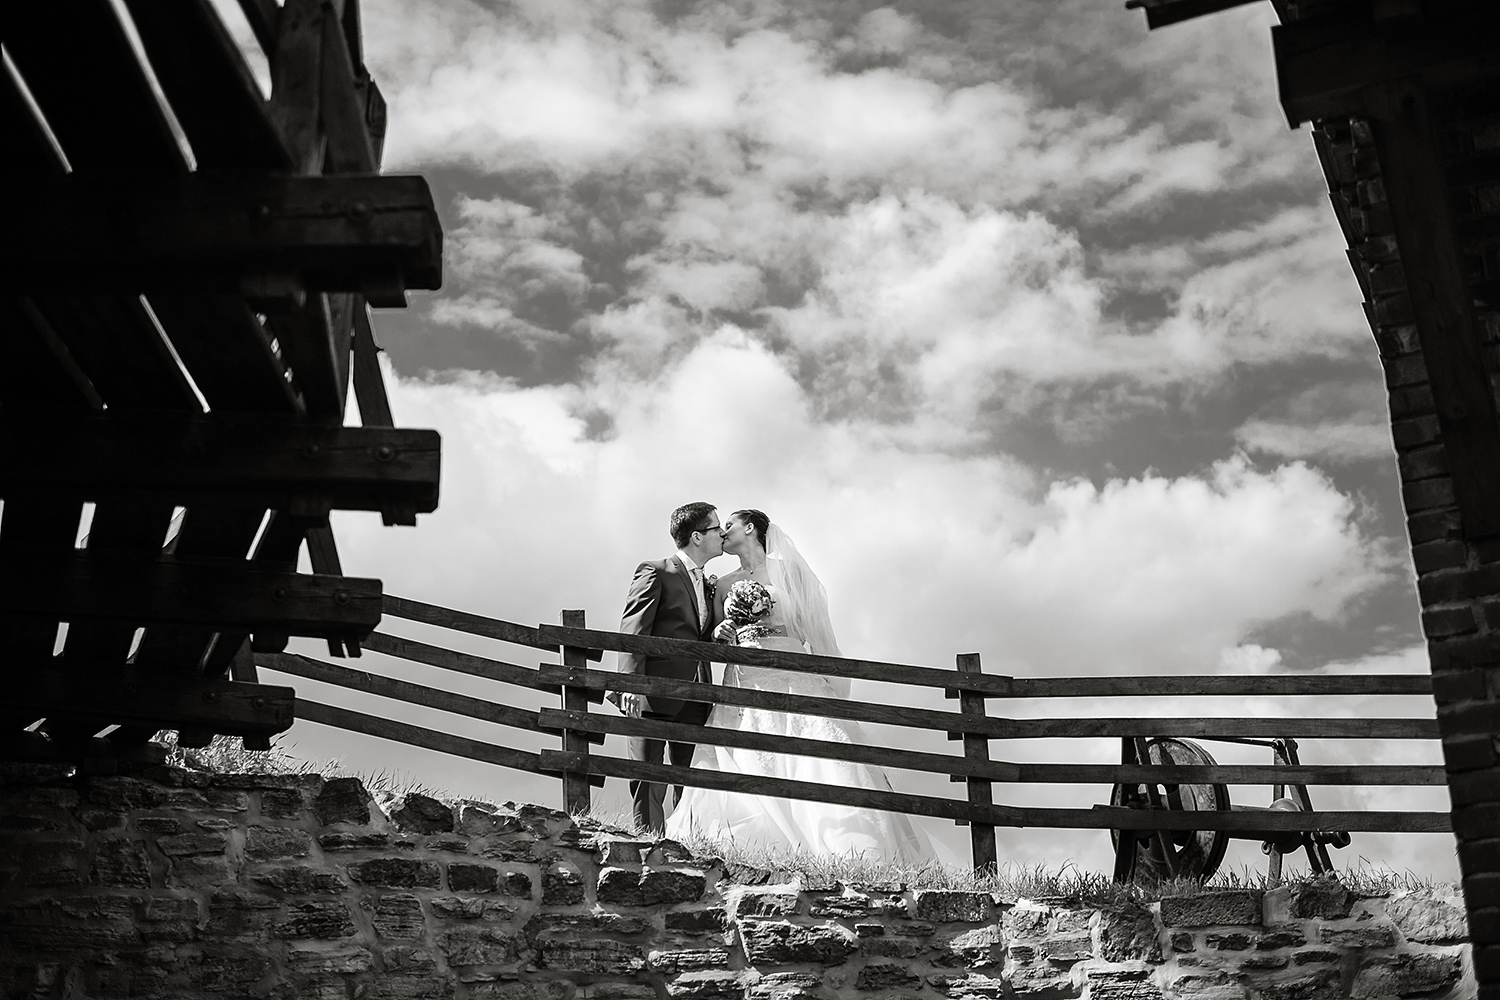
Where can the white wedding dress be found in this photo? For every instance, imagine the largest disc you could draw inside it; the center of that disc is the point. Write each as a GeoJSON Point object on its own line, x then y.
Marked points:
{"type": "Point", "coordinates": [762, 820]}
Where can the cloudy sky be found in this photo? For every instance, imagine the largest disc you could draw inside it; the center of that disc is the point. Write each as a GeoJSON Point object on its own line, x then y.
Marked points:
{"type": "Point", "coordinates": [1033, 328]}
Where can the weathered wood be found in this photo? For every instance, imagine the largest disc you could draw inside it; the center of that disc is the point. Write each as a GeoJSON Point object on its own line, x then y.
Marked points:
{"type": "Point", "coordinates": [389, 687]}
{"type": "Point", "coordinates": [976, 750]}
{"type": "Point", "coordinates": [79, 65]}
{"type": "Point", "coordinates": [209, 86]}
{"type": "Point", "coordinates": [125, 530]}
{"type": "Point", "coordinates": [369, 383]}
{"type": "Point", "coordinates": [262, 16]}
{"type": "Point", "coordinates": [415, 736]}
{"type": "Point", "coordinates": [994, 685]}
{"type": "Point", "coordinates": [30, 150]}
{"type": "Point", "coordinates": [995, 770]}
{"type": "Point", "coordinates": [296, 62]}
{"type": "Point", "coordinates": [464, 663]}
{"type": "Point", "coordinates": [247, 460]}
{"type": "Point", "coordinates": [1324, 66]}
{"type": "Point", "coordinates": [1097, 818]}
{"type": "Point", "coordinates": [228, 353]}
{"type": "Point", "coordinates": [308, 343]}
{"type": "Point", "coordinates": [116, 344]}
{"type": "Point", "coordinates": [1460, 368]}
{"type": "Point", "coordinates": [1160, 13]}
{"type": "Point", "coordinates": [575, 701]}
{"type": "Point", "coordinates": [342, 110]}
{"type": "Point", "coordinates": [464, 621]}
{"type": "Point", "coordinates": [32, 530]}
{"type": "Point", "coordinates": [221, 233]}
{"type": "Point", "coordinates": [994, 728]}
{"type": "Point", "coordinates": [245, 598]}
{"type": "Point", "coordinates": [40, 374]}
{"type": "Point", "coordinates": [118, 694]}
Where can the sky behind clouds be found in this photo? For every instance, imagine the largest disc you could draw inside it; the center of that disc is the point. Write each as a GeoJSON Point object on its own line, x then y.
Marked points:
{"type": "Point", "coordinates": [1033, 328]}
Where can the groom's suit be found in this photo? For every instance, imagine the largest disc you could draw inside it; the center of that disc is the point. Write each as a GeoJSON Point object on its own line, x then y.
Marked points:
{"type": "Point", "coordinates": [663, 602]}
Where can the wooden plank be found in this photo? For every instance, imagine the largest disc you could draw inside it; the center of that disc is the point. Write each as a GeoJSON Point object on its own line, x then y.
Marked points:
{"type": "Point", "coordinates": [80, 66]}
{"type": "Point", "coordinates": [993, 727]}
{"type": "Point", "coordinates": [1097, 818]}
{"type": "Point", "coordinates": [341, 107]}
{"type": "Point", "coordinates": [1324, 65]}
{"type": "Point", "coordinates": [464, 663]}
{"type": "Point", "coordinates": [976, 750]}
{"type": "Point", "coordinates": [117, 694]}
{"type": "Point", "coordinates": [40, 374]}
{"type": "Point", "coordinates": [463, 621]}
{"type": "Point", "coordinates": [244, 459]}
{"type": "Point", "coordinates": [369, 383]}
{"type": "Point", "coordinates": [222, 233]}
{"type": "Point", "coordinates": [307, 339]}
{"type": "Point", "coordinates": [228, 353]}
{"type": "Point", "coordinates": [129, 529]}
{"type": "Point", "coordinates": [575, 701]}
{"type": "Point", "coordinates": [995, 685]}
{"type": "Point", "coordinates": [209, 86]}
{"type": "Point", "coordinates": [32, 529]}
{"type": "Point", "coordinates": [263, 16]}
{"type": "Point", "coordinates": [388, 687]}
{"type": "Point", "coordinates": [1160, 13]}
{"type": "Point", "coordinates": [1461, 369]}
{"type": "Point", "coordinates": [116, 344]}
{"type": "Point", "coordinates": [296, 58]}
{"type": "Point", "coordinates": [244, 598]}
{"type": "Point", "coordinates": [29, 149]}
{"type": "Point", "coordinates": [415, 736]}
{"type": "Point", "coordinates": [1393, 775]}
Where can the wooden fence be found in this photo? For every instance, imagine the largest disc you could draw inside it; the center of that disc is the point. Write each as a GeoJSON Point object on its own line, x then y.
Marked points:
{"type": "Point", "coordinates": [1152, 778]}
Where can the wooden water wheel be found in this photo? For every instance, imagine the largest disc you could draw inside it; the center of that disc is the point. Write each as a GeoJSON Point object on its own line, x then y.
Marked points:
{"type": "Point", "coordinates": [1194, 854]}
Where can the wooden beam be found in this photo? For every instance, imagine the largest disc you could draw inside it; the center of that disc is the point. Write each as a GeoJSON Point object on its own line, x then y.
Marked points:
{"type": "Point", "coordinates": [1324, 65]}
{"type": "Point", "coordinates": [243, 459]}
{"type": "Point", "coordinates": [415, 736]}
{"type": "Point", "coordinates": [228, 353]}
{"type": "Point", "coordinates": [244, 597]}
{"type": "Point", "coordinates": [229, 233]}
{"type": "Point", "coordinates": [341, 106]}
{"type": "Point", "coordinates": [1160, 13]}
{"type": "Point", "coordinates": [125, 695]}
{"type": "Point", "coordinates": [263, 16]}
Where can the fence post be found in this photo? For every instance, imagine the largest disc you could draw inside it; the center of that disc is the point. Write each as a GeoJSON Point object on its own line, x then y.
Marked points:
{"type": "Point", "coordinates": [576, 798]}
{"type": "Point", "coordinates": [976, 747]}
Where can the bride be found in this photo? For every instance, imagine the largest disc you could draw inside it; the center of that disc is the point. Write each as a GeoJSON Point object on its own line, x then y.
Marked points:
{"type": "Point", "coordinates": [798, 622]}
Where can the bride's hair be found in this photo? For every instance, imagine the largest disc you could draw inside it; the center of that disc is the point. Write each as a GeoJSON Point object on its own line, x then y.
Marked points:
{"type": "Point", "coordinates": [759, 521]}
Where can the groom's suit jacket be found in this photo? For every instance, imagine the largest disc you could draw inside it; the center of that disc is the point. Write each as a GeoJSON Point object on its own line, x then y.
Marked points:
{"type": "Point", "coordinates": [662, 603]}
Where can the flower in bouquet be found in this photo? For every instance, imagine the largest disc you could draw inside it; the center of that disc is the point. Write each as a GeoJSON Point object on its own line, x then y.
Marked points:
{"type": "Point", "coordinates": [748, 605]}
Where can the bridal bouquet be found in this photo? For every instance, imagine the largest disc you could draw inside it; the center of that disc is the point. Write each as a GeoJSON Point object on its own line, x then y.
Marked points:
{"type": "Point", "coordinates": [748, 604]}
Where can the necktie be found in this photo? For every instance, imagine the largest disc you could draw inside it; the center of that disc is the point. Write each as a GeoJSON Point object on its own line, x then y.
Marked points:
{"type": "Point", "coordinates": [697, 575]}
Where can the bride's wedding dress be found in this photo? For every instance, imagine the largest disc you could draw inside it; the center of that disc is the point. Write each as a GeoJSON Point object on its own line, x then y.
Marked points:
{"type": "Point", "coordinates": [762, 820]}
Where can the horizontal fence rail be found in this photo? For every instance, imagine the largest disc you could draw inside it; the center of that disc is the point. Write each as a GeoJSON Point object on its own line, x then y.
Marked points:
{"type": "Point", "coordinates": [579, 767]}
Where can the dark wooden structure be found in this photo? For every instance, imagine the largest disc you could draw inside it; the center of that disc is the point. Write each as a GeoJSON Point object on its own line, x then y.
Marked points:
{"type": "Point", "coordinates": [186, 273]}
{"type": "Point", "coordinates": [1404, 101]}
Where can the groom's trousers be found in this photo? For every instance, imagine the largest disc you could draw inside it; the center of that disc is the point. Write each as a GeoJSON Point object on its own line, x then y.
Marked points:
{"type": "Point", "coordinates": [648, 798]}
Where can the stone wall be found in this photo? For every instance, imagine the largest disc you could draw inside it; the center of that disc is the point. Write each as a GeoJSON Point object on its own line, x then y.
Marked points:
{"type": "Point", "coordinates": [177, 884]}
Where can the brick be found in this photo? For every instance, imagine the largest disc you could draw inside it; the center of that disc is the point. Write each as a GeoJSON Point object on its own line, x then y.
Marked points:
{"type": "Point", "coordinates": [1406, 370]}
{"type": "Point", "coordinates": [1488, 550]}
{"type": "Point", "coordinates": [1470, 651]}
{"type": "Point", "coordinates": [1390, 310]}
{"type": "Point", "coordinates": [1439, 623]}
{"type": "Point", "coordinates": [1428, 494]}
{"type": "Point", "coordinates": [1449, 686]}
{"type": "Point", "coordinates": [1433, 557]}
{"type": "Point", "coordinates": [1397, 340]}
{"type": "Point", "coordinates": [1481, 855]}
{"type": "Point", "coordinates": [1459, 585]}
{"type": "Point", "coordinates": [1469, 717]}
{"type": "Point", "coordinates": [1476, 820]}
{"type": "Point", "coordinates": [1484, 925]}
{"type": "Point", "coordinates": [1423, 463]}
{"type": "Point", "coordinates": [1431, 525]}
{"type": "Point", "coordinates": [1412, 402]}
{"type": "Point", "coordinates": [1487, 963]}
{"type": "Point", "coordinates": [1469, 752]}
{"type": "Point", "coordinates": [1489, 613]}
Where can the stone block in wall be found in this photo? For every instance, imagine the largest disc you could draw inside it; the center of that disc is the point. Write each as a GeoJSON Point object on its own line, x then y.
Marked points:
{"type": "Point", "coordinates": [1404, 975]}
{"type": "Point", "coordinates": [1122, 984]}
{"type": "Point", "coordinates": [342, 800]}
{"type": "Point", "coordinates": [672, 885]}
{"type": "Point", "coordinates": [527, 989]}
{"type": "Point", "coordinates": [617, 851]}
{"type": "Point", "coordinates": [786, 986]}
{"type": "Point", "coordinates": [1366, 936]}
{"type": "Point", "coordinates": [888, 947]}
{"type": "Point", "coordinates": [1322, 984]}
{"type": "Point", "coordinates": [395, 873]}
{"type": "Point", "coordinates": [396, 916]}
{"type": "Point", "coordinates": [471, 908]}
{"type": "Point", "coordinates": [121, 863]}
{"type": "Point", "coordinates": [619, 887]}
{"type": "Point", "coordinates": [473, 878]}
{"type": "Point", "coordinates": [199, 871]}
{"type": "Point", "coordinates": [1428, 916]}
{"type": "Point", "coordinates": [600, 956]}
{"type": "Point", "coordinates": [688, 960]}
{"type": "Point", "coordinates": [480, 819]}
{"type": "Point", "coordinates": [234, 911]}
{"type": "Point", "coordinates": [887, 976]}
{"type": "Point", "coordinates": [298, 880]}
{"type": "Point", "coordinates": [952, 906]}
{"type": "Point", "coordinates": [364, 840]}
{"type": "Point", "coordinates": [1027, 919]}
{"type": "Point", "coordinates": [263, 843]}
{"type": "Point", "coordinates": [465, 946]}
{"type": "Point", "coordinates": [316, 918]}
{"type": "Point", "coordinates": [709, 985]}
{"type": "Point", "coordinates": [417, 813]}
{"type": "Point", "coordinates": [977, 948]}
{"type": "Point", "coordinates": [759, 903]}
{"type": "Point", "coordinates": [1127, 934]}
{"type": "Point", "coordinates": [562, 885]}
{"type": "Point", "coordinates": [1234, 906]}
{"type": "Point", "coordinates": [565, 926]}
{"type": "Point", "coordinates": [706, 919]}
{"type": "Point", "coordinates": [53, 861]}
{"type": "Point", "coordinates": [844, 906]}
{"type": "Point", "coordinates": [974, 986]}
{"type": "Point", "coordinates": [170, 918]}
{"type": "Point", "coordinates": [283, 803]}
{"type": "Point", "coordinates": [776, 942]}
{"type": "Point", "coordinates": [227, 972]}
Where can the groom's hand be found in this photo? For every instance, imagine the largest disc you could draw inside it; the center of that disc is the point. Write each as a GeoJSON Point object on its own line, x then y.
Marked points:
{"type": "Point", "coordinates": [629, 704]}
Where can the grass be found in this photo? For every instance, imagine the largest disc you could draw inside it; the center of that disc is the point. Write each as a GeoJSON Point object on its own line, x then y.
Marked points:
{"type": "Point", "coordinates": [1011, 881]}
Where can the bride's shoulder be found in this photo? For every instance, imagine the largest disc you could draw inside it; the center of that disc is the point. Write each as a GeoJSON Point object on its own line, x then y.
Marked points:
{"type": "Point", "coordinates": [732, 577]}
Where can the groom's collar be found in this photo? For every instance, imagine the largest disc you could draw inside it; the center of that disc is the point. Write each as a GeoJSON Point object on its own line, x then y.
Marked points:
{"type": "Point", "coordinates": [687, 560]}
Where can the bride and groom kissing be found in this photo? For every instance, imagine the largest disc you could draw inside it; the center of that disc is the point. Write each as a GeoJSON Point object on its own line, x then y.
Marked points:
{"type": "Point", "coordinates": [676, 598]}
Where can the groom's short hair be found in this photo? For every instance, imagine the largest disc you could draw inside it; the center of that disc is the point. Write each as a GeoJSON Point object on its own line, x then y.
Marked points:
{"type": "Point", "coordinates": [687, 519]}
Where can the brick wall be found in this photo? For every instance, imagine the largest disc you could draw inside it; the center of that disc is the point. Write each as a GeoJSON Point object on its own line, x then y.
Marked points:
{"type": "Point", "coordinates": [188, 886]}
{"type": "Point", "coordinates": [1458, 579]}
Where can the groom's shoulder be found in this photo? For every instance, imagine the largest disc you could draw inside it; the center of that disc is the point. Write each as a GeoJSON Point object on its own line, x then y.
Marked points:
{"type": "Point", "coordinates": [651, 567]}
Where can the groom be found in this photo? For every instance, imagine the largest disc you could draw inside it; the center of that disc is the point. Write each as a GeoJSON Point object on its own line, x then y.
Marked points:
{"type": "Point", "coordinates": [671, 598]}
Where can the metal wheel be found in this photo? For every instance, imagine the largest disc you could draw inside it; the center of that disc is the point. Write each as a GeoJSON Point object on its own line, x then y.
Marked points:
{"type": "Point", "coordinates": [1194, 854]}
